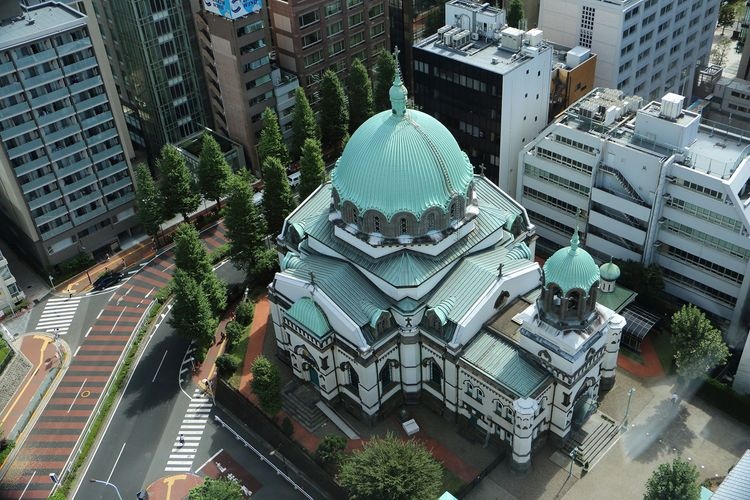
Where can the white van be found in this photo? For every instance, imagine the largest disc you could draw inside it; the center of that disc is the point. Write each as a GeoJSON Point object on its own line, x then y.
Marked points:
{"type": "Point", "coordinates": [294, 179]}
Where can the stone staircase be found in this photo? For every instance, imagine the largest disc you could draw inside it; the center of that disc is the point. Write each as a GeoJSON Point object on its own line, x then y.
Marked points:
{"type": "Point", "coordinates": [593, 439]}
{"type": "Point", "coordinates": [298, 400]}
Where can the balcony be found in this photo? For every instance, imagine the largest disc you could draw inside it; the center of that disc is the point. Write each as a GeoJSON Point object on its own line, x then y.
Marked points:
{"type": "Point", "coordinates": [38, 182]}
{"type": "Point", "coordinates": [11, 89]}
{"type": "Point", "coordinates": [77, 67]}
{"type": "Point", "coordinates": [84, 200]}
{"type": "Point", "coordinates": [31, 166]}
{"type": "Point", "coordinates": [56, 230]}
{"type": "Point", "coordinates": [79, 184]}
{"type": "Point", "coordinates": [51, 215]}
{"type": "Point", "coordinates": [43, 79]}
{"type": "Point", "coordinates": [25, 148]}
{"type": "Point", "coordinates": [96, 120]}
{"type": "Point", "coordinates": [45, 199]}
{"type": "Point", "coordinates": [86, 84]}
{"type": "Point", "coordinates": [117, 185]}
{"type": "Point", "coordinates": [73, 46]}
{"type": "Point", "coordinates": [121, 200]}
{"type": "Point", "coordinates": [107, 153]}
{"type": "Point", "coordinates": [73, 168]}
{"type": "Point", "coordinates": [117, 167]}
{"type": "Point", "coordinates": [67, 151]}
{"type": "Point", "coordinates": [6, 68]}
{"type": "Point", "coordinates": [18, 130]}
{"type": "Point", "coordinates": [91, 102]}
{"type": "Point", "coordinates": [80, 219]}
{"type": "Point", "coordinates": [14, 110]}
{"type": "Point", "coordinates": [62, 133]}
{"type": "Point", "coordinates": [102, 136]}
{"type": "Point", "coordinates": [49, 97]}
{"type": "Point", "coordinates": [47, 118]}
{"type": "Point", "coordinates": [34, 59]}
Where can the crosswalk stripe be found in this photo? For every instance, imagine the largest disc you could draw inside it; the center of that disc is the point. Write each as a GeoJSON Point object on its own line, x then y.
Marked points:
{"type": "Point", "coordinates": [200, 400]}
{"type": "Point", "coordinates": [191, 432]}
{"type": "Point", "coordinates": [184, 450]}
{"type": "Point", "coordinates": [56, 321]}
{"type": "Point", "coordinates": [178, 456]}
{"type": "Point", "coordinates": [180, 462]}
{"type": "Point", "coordinates": [64, 299]}
{"type": "Point", "coordinates": [198, 426]}
{"type": "Point", "coordinates": [177, 469]}
{"type": "Point", "coordinates": [195, 421]}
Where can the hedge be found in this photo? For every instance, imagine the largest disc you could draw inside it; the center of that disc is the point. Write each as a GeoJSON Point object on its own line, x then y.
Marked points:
{"type": "Point", "coordinates": [724, 398]}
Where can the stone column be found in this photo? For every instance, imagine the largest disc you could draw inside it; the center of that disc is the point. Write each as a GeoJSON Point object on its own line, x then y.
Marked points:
{"type": "Point", "coordinates": [411, 371]}
{"type": "Point", "coordinates": [611, 348]}
{"type": "Point", "coordinates": [523, 428]}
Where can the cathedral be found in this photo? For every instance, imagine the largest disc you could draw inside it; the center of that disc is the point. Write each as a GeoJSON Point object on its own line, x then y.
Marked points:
{"type": "Point", "coordinates": [408, 279]}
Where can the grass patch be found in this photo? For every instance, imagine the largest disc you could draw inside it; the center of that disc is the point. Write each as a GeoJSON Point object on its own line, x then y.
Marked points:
{"type": "Point", "coordinates": [663, 346]}
{"type": "Point", "coordinates": [4, 353]}
{"type": "Point", "coordinates": [451, 482]}
{"type": "Point", "coordinates": [239, 349]}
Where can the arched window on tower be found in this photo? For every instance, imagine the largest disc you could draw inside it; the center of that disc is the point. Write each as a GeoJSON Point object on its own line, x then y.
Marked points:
{"type": "Point", "coordinates": [436, 375]}
{"type": "Point", "coordinates": [430, 222]}
{"type": "Point", "coordinates": [453, 211]}
{"type": "Point", "coordinates": [376, 223]}
{"type": "Point", "coordinates": [404, 226]}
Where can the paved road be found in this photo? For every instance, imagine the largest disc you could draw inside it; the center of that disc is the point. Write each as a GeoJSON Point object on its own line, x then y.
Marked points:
{"type": "Point", "coordinates": [55, 434]}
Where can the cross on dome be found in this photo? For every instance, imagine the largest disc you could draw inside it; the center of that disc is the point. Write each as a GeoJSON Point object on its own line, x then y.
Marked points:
{"type": "Point", "coordinates": [398, 91]}
{"type": "Point", "coordinates": [574, 241]}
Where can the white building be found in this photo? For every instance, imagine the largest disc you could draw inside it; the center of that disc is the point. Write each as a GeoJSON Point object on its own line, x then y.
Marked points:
{"type": "Point", "coordinates": [654, 184]}
{"type": "Point", "coordinates": [644, 47]}
{"type": "Point", "coordinates": [10, 294]}
{"type": "Point", "coordinates": [393, 277]}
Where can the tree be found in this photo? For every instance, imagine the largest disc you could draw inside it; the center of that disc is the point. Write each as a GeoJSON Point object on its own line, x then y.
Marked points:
{"type": "Point", "coordinates": [515, 13]}
{"type": "Point", "coordinates": [217, 489]}
{"type": "Point", "coordinates": [266, 384]}
{"type": "Point", "coordinates": [227, 364]}
{"type": "Point", "coordinates": [147, 202]}
{"type": "Point", "coordinates": [334, 114]}
{"type": "Point", "coordinates": [213, 170]}
{"type": "Point", "coordinates": [385, 72]}
{"type": "Point", "coordinates": [697, 344]}
{"type": "Point", "coordinates": [719, 52]}
{"type": "Point", "coordinates": [330, 450]}
{"type": "Point", "coordinates": [278, 200]}
{"type": "Point", "coordinates": [312, 168]}
{"type": "Point", "coordinates": [176, 184]}
{"type": "Point", "coordinates": [246, 227]}
{"type": "Point", "coordinates": [235, 331]}
{"type": "Point", "coordinates": [647, 281]}
{"type": "Point", "coordinates": [675, 481]}
{"type": "Point", "coordinates": [304, 125]}
{"type": "Point", "coordinates": [390, 468]}
{"type": "Point", "coordinates": [191, 314]}
{"type": "Point", "coordinates": [245, 312]}
{"type": "Point", "coordinates": [360, 95]}
{"type": "Point", "coordinates": [271, 143]}
{"type": "Point", "coordinates": [191, 257]}
{"type": "Point", "coordinates": [726, 16]}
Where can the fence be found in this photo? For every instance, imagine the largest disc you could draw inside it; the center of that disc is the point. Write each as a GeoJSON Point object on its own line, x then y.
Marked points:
{"type": "Point", "coordinates": [466, 488]}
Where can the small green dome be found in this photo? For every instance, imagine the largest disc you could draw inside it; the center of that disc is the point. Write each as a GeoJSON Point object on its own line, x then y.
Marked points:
{"type": "Point", "coordinates": [609, 271]}
{"type": "Point", "coordinates": [307, 313]}
{"type": "Point", "coordinates": [571, 267]}
{"type": "Point", "coordinates": [401, 160]}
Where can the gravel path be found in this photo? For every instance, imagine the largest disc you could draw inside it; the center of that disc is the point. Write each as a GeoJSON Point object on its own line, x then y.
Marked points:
{"type": "Point", "coordinates": [12, 377]}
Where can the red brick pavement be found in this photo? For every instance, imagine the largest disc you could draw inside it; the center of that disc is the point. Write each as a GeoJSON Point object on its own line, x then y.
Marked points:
{"type": "Point", "coordinates": [651, 366]}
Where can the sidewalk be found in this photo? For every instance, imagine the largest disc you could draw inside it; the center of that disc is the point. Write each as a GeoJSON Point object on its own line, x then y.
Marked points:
{"type": "Point", "coordinates": [651, 366]}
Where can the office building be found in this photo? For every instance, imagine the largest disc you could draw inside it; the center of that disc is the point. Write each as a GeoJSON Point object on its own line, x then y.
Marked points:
{"type": "Point", "coordinates": [10, 294]}
{"type": "Point", "coordinates": [644, 47]}
{"type": "Point", "coordinates": [743, 70]}
{"type": "Point", "coordinates": [653, 183]}
{"type": "Point", "coordinates": [191, 148]}
{"type": "Point", "coordinates": [316, 35]}
{"type": "Point", "coordinates": [242, 80]}
{"type": "Point", "coordinates": [153, 51]}
{"type": "Point", "coordinates": [65, 178]}
{"type": "Point", "coordinates": [488, 84]}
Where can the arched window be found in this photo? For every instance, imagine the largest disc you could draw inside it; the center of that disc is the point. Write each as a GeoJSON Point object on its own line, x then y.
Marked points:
{"type": "Point", "coordinates": [352, 379]}
{"type": "Point", "coordinates": [453, 210]}
{"type": "Point", "coordinates": [404, 227]}
{"type": "Point", "coordinates": [502, 299]}
{"type": "Point", "coordinates": [430, 222]}
{"type": "Point", "coordinates": [376, 223]}
{"type": "Point", "coordinates": [386, 376]}
{"type": "Point", "coordinates": [436, 374]}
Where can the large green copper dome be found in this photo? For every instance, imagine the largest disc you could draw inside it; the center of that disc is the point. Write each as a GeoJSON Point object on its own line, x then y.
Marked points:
{"type": "Point", "coordinates": [402, 160]}
{"type": "Point", "coordinates": [571, 267]}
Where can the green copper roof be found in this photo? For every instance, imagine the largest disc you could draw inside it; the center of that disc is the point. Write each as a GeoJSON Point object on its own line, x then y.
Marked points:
{"type": "Point", "coordinates": [401, 163]}
{"type": "Point", "coordinates": [571, 267]}
{"type": "Point", "coordinates": [308, 314]}
{"type": "Point", "coordinates": [616, 299]}
{"type": "Point", "coordinates": [498, 359]}
{"type": "Point", "coordinates": [609, 271]}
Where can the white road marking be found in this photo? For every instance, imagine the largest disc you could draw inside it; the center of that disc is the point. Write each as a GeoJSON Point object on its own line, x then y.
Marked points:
{"type": "Point", "coordinates": [100, 313]}
{"type": "Point", "coordinates": [149, 293]}
{"type": "Point", "coordinates": [77, 349]}
{"type": "Point", "coordinates": [211, 458]}
{"type": "Point", "coordinates": [116, 460]}
{"type": "Point", "coordinates": [117, 320]}
{"type": "Point", "coordinates": [57, 315]}
{"type": "Point", "coordinates": [77, 393]}
{"type": "Point", "coordinates": [159, 368]}
{"type": "Point", "coordinates": [27, 485]}
{"type": "Point", "coordinates": [191, 431]}
{"type": "Point", "coordinates": [88, 331]}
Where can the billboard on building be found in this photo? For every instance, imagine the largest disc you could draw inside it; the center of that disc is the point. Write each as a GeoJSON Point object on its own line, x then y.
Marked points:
{"type": "Point", "coordinates": [232, 9]}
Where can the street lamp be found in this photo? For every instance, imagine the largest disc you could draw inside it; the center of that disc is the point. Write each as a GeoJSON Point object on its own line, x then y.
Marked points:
{"type": "Point", "coordinates": [627, 408]}
{"type": "Point", "coordinates": [107, 483]}
{"type": "Point", "coordinates": [572, 456]}
{"type": "Point", "coordinates": [247, 289]}
{"type": "Point", "coordinates": [274, 452]}
{"type": "Point", "coordinates": [51, 281]}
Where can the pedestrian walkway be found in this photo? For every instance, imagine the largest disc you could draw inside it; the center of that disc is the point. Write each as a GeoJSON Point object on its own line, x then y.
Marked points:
{"type": "Point", "coordinates": [58, 314]}
{"type": "Point", "coordinates": [191, 431]}
{"type": "Point", "coordinates": [651, 366]}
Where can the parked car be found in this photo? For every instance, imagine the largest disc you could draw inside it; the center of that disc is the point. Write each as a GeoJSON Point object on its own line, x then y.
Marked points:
{"type": "Point", "coordinates": [108, 279]}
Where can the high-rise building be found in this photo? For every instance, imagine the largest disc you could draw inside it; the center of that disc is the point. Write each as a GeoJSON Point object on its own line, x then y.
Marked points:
{"type": "Point", "coordinates": [487, 83]}
{"type": "Point", "coordinates": [242, 80]}
{"type": "Point", "coordinates": [644, 47]}
{"type": "Point", "coordinates": [743, 71]}
{"type": "Point", "coordinates": [65, 180]}
{"type": "Point", "coordinates": [652, 183]}
{"type": "Point", "coordinates": [312, 36]}
{"type": "Point", "coordinates": [153, 50]}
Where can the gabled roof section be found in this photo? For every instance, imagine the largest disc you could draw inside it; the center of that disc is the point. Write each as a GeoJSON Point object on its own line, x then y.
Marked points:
{"type": "Point", "coordinates": [501, 361]}
{"type": "Point", "coordinates": [307, 313]}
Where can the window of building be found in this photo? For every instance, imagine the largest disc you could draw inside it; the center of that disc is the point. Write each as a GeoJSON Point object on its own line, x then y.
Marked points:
{"type": "Point", "coordinates": [357, 39]}
{"type": "Point", "coordinates": [404, 225]}
{"type": "Point", "coordinates": [353, 3]}
{"type": "Point", "coordinates": [253, 46]}
{"type": "Point", "coordinates": [335, 28]}
{"type": "Point", "coordinates": [375, 11]}
{"type": "Point", "coordinates": [311, 39]}
{"type": "Point", "coordinates": [313, 58]}
{"type": "Point", "coordinates": [308, 19]}
{"type": "Point", "coordinates": [377, 30]}
{"type": "Point", "coordinates": [356, 19]}
{"type": "Point", "coordinates": [376, 223]}
{"type": "Point", "coordinates": [336, 48]}
{"type": "Point", "coordinates": [333, 8]}
{"type": "Point", "coordinates": [250, 28]}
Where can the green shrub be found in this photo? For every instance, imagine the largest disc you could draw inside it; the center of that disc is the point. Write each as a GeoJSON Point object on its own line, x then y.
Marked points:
{"type": "Point", "coordinates": [226, 365]}
{"type": "Point", "coordinates": [164, 293]}
{"type": "Point", "coordinates": [330, 449]}
{"type": "Point", "coordinates": [6, 446]}
{"type": "Point", "coordinates": [244, 313]}
{"type": "Point", "coordinates": [219, 254]}
{"type": "Point", "coordinates": [72, 266]}
{"type": "Point", "coordinates": [266, 384]}
{"type": "Point", "coordinates": [235, 332]}
{"type": "Point", "coordinates": [287, 427]}
{"type": "Point", "coordinates": [724, 398]}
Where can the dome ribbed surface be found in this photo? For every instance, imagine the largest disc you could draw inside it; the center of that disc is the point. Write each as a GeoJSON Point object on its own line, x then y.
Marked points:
{"type": "Point", "coordinates": [307, 313]}
{"type": "Point", "coordinates": [571, 267]}
{"type": "Point", "coordinates": [609, 271]}
{"type": "Point", "coordinates": [401, 164]}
